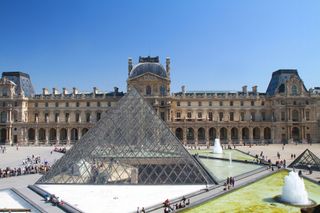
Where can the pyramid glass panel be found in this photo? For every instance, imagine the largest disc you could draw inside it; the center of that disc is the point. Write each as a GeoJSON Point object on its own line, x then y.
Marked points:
{"type": "Point", "coordinates": [307, 160]}
{"type": "Point", "coordinates": [130, 145]}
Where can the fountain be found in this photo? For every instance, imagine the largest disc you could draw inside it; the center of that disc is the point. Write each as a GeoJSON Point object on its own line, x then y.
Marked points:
{"type": "Point", "coordinates": [217, 149]}
{"type": "Point", "coordinates": [294, 192]}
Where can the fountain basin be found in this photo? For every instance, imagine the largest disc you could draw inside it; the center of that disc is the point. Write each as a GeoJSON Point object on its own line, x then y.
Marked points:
{"type": "Point", "coordinates": [279, 199]}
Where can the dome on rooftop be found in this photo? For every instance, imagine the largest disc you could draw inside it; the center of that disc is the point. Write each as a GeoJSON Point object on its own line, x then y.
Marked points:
{"type": "Point", "coordinates": [148, 67]}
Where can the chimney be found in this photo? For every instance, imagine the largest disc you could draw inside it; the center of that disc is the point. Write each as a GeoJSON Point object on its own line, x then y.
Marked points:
{"type": "Point", "coordinates": [255, 89]}
{"type": "Point", "coordinates": [74, 91]}
{"type": "Point", "coordinates": [168, 66]}
{"type": "Point", "coordinates": [116, 90]}
{"type": "Point", "coordinates": [245, 89]}
{"type": "Point", "coordinates": [95, 90]}
{"type": "Point", "coordinates": [183, 89]}
{"type": "Point", "coordinates": [45, 91]}
{"type": "Point", "coordinates": [129, 65]}
{"type": "Point", "coordinates": [55, 91]}
{"type": "Point", "coordinates": [64, 91]}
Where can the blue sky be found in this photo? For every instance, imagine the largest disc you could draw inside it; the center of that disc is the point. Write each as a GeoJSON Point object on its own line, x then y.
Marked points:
{"type": "Point", "coordinates": [66, 43]}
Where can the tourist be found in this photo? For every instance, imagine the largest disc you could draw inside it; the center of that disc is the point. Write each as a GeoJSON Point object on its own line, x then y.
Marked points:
{"type": "Point", "coordinates": [138, 210]}
{"type": "Point", "coordinates": [188, 202]}
{"type": "Point", "coordinates": [142, 210]}
{"type": "Point", "coordinates": [300, 173]}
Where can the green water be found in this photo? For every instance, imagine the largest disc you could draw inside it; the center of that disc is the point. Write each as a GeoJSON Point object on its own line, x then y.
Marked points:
{"type": "Point", "coordinates": [257, 197]}
{"type": "Point", "coordinates": [235, 154]}
{"type": "Point", "coordinates": [222, 169]}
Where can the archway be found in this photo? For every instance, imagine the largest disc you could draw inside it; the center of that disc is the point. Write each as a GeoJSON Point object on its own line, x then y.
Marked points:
{"type": "Point", "coordinates": [295, 115]}
{"type": "Point", "coordinates": [53, 134]}
{"type": "Point", "coordinates": [245, 134]}
{"type": "Point", "coordinates": [3, 135]}
{"type": "Point", "coordinates": [256, 133]}
{"type": "Point", "coordinates": [179, 134]}
{"type": "Point", "coordinates": [190, 135]}
{"type": "Point", "coordinates": [234, 135]}
{"type": "Point", "coordinates": [31, 134]}
{"type": "Point", "coordinates": [42, 135]}
{"type": "Point", "coordinates": [223, 135]}
{"type": "Point", "coordinates": [74, 135]}
{"type": "Point", "coordinates": [201, 135]}
{"type": "Point", "coordinates": [63, 135]}
{"type": "Point", "coordinates": [296, 134]}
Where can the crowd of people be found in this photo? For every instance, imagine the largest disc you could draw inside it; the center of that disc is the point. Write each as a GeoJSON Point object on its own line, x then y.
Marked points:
{"type": "Point", "coordinates": [179, 205]}
{"type": "Point", "coordinates": [229, 183]}
{"type": "Point", "coordinates": [60, 149]}
{"type": "Point", "coordinates": [31, 165]}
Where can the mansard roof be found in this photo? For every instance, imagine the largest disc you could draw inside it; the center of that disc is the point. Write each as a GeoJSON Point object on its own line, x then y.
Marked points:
{"type": "Point", "coordinates": [23, 82]}
{"type": "Point", "coordinates": [280, 77]}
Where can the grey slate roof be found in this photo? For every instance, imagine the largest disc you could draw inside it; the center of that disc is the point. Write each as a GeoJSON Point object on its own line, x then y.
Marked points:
{"type": "Point", "coordinates": [141, 68]}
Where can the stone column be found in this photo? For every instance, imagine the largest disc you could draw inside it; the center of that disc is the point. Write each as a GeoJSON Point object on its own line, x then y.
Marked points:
{"type": "Point", "coordinates": [36, 137]}
{"type": "Point", "coordinates": [250, 134]}
{"type": "Point", "coordinates": [58, 136]}
{"type": "Point", "coordinates": [196, 137]}
{"type": "Point", "coordinates": [79, 133]}
{"type": "Point", "coordinates": [68, 136]}
{"type": "Point", "coordinates": [262, 134]}
{"type": "Point", "coordinates": [229, 135]}
{"type": "Point", "coordinates": [207, 138]}
{"type": "Point", "coordinates": [184, 136]}
{"type": "Point", "coordinates": [47, 136]}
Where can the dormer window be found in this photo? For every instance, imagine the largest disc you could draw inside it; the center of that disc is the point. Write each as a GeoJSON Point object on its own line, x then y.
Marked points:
{"type": "Point", "coordinates": [294, 90]}
{"type": "Point", "coordinates": [148, 90]}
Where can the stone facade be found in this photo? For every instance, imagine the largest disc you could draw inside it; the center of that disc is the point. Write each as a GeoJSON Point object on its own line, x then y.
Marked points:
{"type": "Point", "coordinates": [286, 112]}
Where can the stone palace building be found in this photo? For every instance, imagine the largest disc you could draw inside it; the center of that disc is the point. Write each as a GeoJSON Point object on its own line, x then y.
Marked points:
{"type": "Point", "coordinates": [287, 112]}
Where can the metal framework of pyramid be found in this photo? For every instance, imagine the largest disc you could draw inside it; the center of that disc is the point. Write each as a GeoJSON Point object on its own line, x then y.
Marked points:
{"type": "Point", "coordinates": [306, 160]}
{"type": "Point", "coordinates": [130, 145]}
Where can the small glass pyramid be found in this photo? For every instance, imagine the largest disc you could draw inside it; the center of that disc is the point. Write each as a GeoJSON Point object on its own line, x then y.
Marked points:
{"type": "Point", "coordinates": [130, 145]}
{"type": "Point", "coordinates": [307, 160]}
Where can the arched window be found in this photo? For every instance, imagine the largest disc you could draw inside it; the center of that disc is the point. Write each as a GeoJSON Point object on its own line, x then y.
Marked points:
{"type": "Point", "coordinates": [63, 134]}
{"type": "Point", "coordinates": [234, 133]}
{"type": "Point", "coordinates": [201, 135]}
{"type": "Point", "coordinates": [212, 134]}
{"type": "Point", "coordinates": [179, 133]}
{"type": "Point", "coordinates": [42, 134]}
{"type": "Point", "coordinates": [190, 134]}
{"type": "Point", "coordinates": [148, 90]}
{"type": "Point", "coordinates": [267, 133]}
{"type": "Point", "coordinates": [256, 133]}
{"type": "Point", "coordinates": [53, 134]}
{"type": "Point", "coordinates": [223, 134]}
{"type": "Point", "coordinates": [31, 134]}
{"type": "Point", "coordinates": [74, 135]}
{"type": "Point", "coordinates": [294, 90]}
{"type": "Point", "coordinates": [245, 133]}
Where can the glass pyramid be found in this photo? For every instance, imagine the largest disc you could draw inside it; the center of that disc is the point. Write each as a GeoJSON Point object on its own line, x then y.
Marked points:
{"type": "Point", "coordinates": [130, 145]}
{"type": "Point", "coordinates": [306, 160]}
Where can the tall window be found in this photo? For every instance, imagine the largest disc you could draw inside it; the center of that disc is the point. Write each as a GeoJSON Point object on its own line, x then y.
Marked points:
{"type": "Point", "coordinates": [294, 90]}
{"type": "Point", "coordinates": [283, 116]}
{"type": "Point", "coordinates": [307, 115]}
{"type": "Point", "coordinates": [88, 117]}
{"type": "Point", "coordinates": [210, 103]}
{"type": "Point", "coordinates": [199, 115]}
{"type": "Point", "coordinates": [67, 117]}
{"type": "Point", "coordinates": [221, 103]}
{"type": "Point", "coordinates": [46, 117]}
{"type": "Point", "coordinates": [199, 103]}
{"type": "Point", "coordinates": [148, 90]}
{"type": "Point", "coordinates": [242, 116]}
{"type": "Point", "coordinates": [210, 116]}
{"type": "Point", "coordinates": [231, 103]}
{"type": "Point", "coordinates": [77, 104]}
{"type": "Point", "coordinates": [178, 114]}
{"type": "Point", "coordinates": [178, 103]}
{"type": "Point", "coordinates": [220, 116]}
{"type": "Point", "coordinates": [252, 103]}
{"type": "Point", "coordinates": [189, 115]}
{"type": "Point", "coordinates": [56, 117]}
{"type": "Point", "coordinates": [88, 104]}
{"type": "Point", "coordinates": [3, 117]}
{"type": "Point", "coordinates": [263, 116]}
{"type": "Point", "coordinates": [189, 103]}
{"type": "Point", "coordinates": [98, 104]}
{"type": "Point", "coordinates": [253, 116]}
{"type": "Point", "coordinates": [57, 104]}
{"type": "Point", "coordinates": [241, 103]}
{"type": "Point", "coordinates": [231, 116]}
{"type": "Point", "coordinates": [77, 117]}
